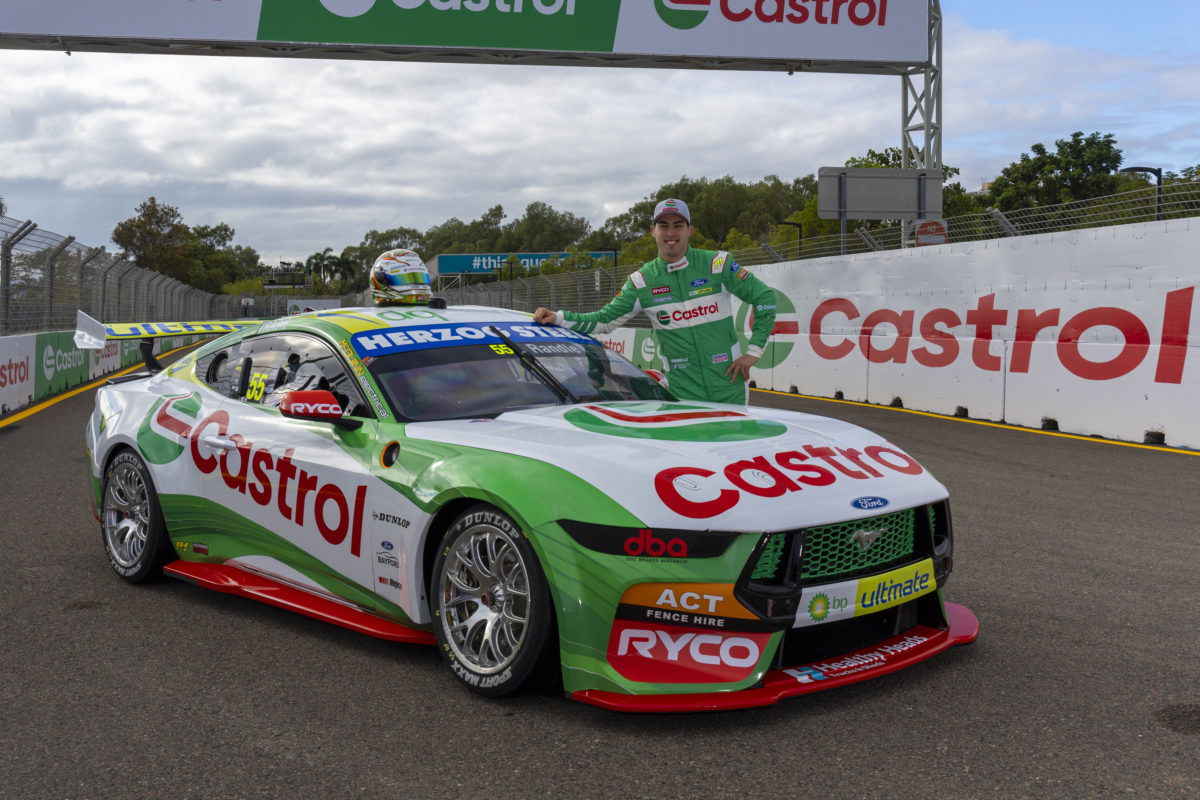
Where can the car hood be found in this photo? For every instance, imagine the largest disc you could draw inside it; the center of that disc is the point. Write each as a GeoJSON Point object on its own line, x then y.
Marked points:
{"type": "Point", "coordinates": [709, 466]}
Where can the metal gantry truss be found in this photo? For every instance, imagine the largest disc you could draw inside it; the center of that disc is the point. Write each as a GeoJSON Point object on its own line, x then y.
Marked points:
{"type": "Point", "coordinates": [921, 103]}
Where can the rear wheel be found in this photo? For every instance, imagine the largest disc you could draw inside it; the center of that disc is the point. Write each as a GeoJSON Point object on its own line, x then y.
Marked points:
{"type": "Point", "coordinates": [491, 605]}
{"type": "Point", "coordinates": [131, 522]}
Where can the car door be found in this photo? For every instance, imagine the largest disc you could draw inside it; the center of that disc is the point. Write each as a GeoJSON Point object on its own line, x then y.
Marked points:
{"type": "Point", "coordinates": [294, 493]}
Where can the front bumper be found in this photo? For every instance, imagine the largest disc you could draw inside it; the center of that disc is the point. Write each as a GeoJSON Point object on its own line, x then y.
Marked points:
{"type": "Point", "coordinates": [899, 652]}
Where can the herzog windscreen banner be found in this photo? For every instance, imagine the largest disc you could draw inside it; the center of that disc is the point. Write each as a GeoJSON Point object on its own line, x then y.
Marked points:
{"type": "Point", "coordinates": [771, 30]}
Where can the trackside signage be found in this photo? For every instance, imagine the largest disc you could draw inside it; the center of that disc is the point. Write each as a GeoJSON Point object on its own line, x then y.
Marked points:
{"type": "Point", "coordinates": [1098, 330]}
{"type": "Point", "coordinates": [889, 31]}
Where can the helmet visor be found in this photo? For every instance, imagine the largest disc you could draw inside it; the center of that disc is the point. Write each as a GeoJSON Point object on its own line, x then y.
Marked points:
{"type": "Point", "coordinates": [417, 278]}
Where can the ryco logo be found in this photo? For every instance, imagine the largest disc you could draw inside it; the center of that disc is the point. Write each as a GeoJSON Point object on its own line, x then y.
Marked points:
{"type": "Point", "coordinates": [669, 654]}
{"type": "Point", "coordinates": [776, 476]}
{"type": "Point", "coordinates": [321, 409]}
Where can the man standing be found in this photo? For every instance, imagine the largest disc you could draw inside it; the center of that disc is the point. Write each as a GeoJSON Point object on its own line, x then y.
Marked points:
{"type": "Point", "coordinates": [687, 293]}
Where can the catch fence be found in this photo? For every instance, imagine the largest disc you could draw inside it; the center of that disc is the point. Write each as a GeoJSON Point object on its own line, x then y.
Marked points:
{"type": "Point", "coordinates": [590, 290]}
{"type": "Point", "coordinates": [47, 276]}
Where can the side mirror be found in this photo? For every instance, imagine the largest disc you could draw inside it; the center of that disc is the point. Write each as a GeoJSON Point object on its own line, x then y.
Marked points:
{"type": "Point", "coordinates": [659, 378]}
{"type": "Point", "coordinates": [316, 405]}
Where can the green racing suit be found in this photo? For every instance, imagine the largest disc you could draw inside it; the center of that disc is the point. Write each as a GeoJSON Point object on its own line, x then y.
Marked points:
{"type": "Point", "coordinates": [690, 306]}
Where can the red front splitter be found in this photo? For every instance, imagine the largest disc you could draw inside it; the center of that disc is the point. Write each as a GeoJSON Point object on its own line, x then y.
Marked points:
{"type": "Point", "coordinates": [899, 652]}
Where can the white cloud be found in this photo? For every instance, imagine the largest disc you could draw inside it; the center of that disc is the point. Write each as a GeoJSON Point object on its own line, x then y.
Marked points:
{"type": "Point", "coordinates": [299, 155]}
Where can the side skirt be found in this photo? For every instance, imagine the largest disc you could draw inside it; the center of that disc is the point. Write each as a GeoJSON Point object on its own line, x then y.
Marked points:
{"type": "Point", "coordinates": [233, 580]}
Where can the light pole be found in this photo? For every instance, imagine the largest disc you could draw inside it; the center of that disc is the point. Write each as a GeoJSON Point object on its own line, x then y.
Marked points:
{"type": "Point", "coordinates": [799, 235]}
{"type": "Point", "coordinates": [1157, 173]}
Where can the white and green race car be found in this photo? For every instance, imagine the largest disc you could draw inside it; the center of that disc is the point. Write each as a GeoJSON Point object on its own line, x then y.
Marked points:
{"type": "Point", "coordinates": [530, 502]}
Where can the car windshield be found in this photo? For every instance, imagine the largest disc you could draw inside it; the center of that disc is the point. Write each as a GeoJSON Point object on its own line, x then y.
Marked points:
{"type": "Point", "coordinates": [481, 380]}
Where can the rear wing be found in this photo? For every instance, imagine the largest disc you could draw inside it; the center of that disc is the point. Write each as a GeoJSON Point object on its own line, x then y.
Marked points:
{"type": "Point", "coordinates": [91, 334]}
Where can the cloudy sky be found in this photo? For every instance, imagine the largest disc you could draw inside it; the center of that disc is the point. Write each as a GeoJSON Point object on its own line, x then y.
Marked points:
{"type": "Point", "coordinates": [299, 155]}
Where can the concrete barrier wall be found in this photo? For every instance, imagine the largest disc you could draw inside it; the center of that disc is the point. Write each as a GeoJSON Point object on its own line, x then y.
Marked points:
{"type": "Point", "coordinates": [1096, 329]}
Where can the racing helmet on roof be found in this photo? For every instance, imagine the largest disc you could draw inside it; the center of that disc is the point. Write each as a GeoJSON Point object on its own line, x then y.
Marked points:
{"type": "Point", "coordinates": [400, 277]}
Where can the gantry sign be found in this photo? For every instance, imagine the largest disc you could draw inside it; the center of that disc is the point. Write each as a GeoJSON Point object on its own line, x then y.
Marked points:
{"type": "Point", "coordinates": [883, 37]}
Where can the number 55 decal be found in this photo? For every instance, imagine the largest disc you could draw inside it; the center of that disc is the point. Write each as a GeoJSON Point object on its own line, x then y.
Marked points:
{"type": "Point", "coordinates": [257, 388]}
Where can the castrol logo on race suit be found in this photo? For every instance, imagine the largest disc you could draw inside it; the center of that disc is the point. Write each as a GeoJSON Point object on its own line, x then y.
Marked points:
{"type": "Point", "coordinates": [700, 493]}
{"type": "Point", "coordinates": [665, 318]}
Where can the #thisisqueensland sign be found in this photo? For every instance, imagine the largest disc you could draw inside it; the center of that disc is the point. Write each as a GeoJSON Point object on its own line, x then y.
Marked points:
{"type": "Point", "coordinates": [884, 31]}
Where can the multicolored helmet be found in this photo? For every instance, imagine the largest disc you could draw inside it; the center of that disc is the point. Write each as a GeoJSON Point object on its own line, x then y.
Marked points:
{"type": "Point", "coordinates": [399, 277]}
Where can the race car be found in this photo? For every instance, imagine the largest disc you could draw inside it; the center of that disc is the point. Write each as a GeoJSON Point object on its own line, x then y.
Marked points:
{"type": "Point", "coordinates": [530, 502]}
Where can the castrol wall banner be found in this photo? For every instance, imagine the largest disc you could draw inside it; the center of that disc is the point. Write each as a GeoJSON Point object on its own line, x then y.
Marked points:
{"type": "Point", "coordinates": [16, 372]}
{"type": "Point", "coordinates": [1098, 330]}
{"type": "Point", "coordinates": [36, 366]}
{"type": "Point", "coordinates": [891, 31]}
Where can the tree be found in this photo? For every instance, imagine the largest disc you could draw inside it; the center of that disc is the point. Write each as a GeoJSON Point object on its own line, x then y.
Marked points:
{"type": "Point", "coordinates": [1185, 175]}
{"type": "Point", "coordinates": [156, 239]}
{"type": "Point", "coordinates": [356, 260]}
{"type": "Point", "coordinates": [542, 229]}
{"type": "Point", "coordinates": [217, 261]}
{"type": "Point", "coordinates": [1080, 168]}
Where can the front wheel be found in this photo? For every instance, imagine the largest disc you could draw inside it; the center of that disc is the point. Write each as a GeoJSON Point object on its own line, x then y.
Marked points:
{"type": "Point", "coordinates": [491, 606]}
{"type": "Point", "coordinates": [131, 522]}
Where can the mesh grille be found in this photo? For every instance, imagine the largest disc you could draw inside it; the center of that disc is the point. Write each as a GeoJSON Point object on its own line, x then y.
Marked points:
{"type": "Point", "coordinates": [832, 550]}
{"type": "Point", "coordinates": [770, 561]}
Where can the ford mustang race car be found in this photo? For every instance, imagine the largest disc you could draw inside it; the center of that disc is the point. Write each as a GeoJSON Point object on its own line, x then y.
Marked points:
{"type": "Point", "coordinates": [527, 500]}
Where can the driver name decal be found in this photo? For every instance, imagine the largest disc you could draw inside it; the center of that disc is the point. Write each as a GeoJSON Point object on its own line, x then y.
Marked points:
{"type": "Point", "coordinates": [425, 337]}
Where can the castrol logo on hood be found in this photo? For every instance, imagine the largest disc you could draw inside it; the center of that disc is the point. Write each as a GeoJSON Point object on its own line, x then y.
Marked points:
{"type": "Point", "coordinates": [701, 492]}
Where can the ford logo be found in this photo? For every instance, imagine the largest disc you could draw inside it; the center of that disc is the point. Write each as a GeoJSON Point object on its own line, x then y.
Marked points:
{"type": "Point", "coordinates": [389, 546]}
{"type": "Point", "coordinates": [868, 503]}
{"type": "Point", "coordinates": [700, 282]}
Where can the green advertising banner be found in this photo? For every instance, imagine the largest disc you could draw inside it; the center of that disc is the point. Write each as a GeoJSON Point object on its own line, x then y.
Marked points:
{"type": "Point", "coordinates": [587, 25]}
{"type": "Point", "coordinates": [58, 364]}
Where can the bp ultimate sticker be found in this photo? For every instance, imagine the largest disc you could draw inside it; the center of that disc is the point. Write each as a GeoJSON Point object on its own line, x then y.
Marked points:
{"type": "Point", "coordinates": [837, 601]}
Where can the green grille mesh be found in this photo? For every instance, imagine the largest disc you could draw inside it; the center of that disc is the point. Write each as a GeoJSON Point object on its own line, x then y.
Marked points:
{"type": "Point", "coordinates": [770, 561]}
{"type": "Point", "coordinates": [831, 549]}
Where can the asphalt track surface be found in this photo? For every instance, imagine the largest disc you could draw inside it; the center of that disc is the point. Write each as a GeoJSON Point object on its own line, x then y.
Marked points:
{"type": "Point", "coordinates": [1079, 557]}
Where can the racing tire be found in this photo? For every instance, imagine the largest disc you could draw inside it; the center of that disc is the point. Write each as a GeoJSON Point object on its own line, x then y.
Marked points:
{"type": "Point", "coordinates": [131, 522]}
{"type": "Point", "coordinates": [491, 607]}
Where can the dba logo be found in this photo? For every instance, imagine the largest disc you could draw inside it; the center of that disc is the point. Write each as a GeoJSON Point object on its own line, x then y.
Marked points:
{"type": "Point", "coordinates": [682, 14]}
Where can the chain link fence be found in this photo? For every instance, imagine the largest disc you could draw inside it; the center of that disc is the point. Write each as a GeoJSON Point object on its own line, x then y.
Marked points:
{"type": "Point", "coordinates": [590, 290]}
{"type": "Point", "coordinates": [47, 276]}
